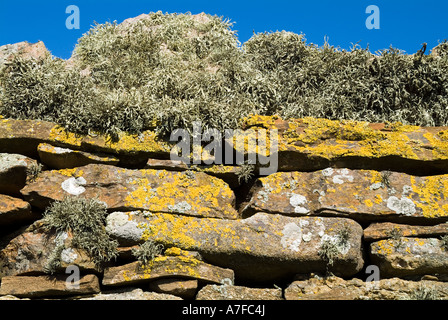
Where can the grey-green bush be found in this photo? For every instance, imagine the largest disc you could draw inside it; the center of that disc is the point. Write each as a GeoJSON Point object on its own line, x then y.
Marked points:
{"type": "Point", "coordinates": [85, 219]}
{"type": "Point", "coordinates": [164, 71]}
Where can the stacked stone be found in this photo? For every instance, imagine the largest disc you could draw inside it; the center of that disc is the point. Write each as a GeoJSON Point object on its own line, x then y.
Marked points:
{"type": "Point", "coordinates": [348, 198]}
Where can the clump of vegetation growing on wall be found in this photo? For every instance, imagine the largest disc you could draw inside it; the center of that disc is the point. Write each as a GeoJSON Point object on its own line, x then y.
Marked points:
{"type": "Point", "coordinates": [85, 220]}
{"type": "Point", "coordinates": [164, 71]}
{"type": "Point", "coordinates": [147, 251]}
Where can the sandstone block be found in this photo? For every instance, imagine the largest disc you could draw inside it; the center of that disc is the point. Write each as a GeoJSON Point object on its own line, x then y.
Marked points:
{"type": "Point", "coordinates": [14, 170]}
{"type": "Point", "coordinates": [189, 193]}
{"type": "Point", "coordinates": [334, 288]}
{"type": "Point", "coordinates": [311, 144]}
{"type": "Point", "coordinates": [364, 195]}
{"type": "Point", "coordinates": [30, 252]}
{"type": "Point", "coordinates": [162, 267]}
{"type": "Point", "coordinates": [385, 230]}
{"type": "Point", "coordinates": [64, 158]}
{"type": "Point", "coordinates": [261, 248]}
{"type": "Point", "coordinates": [131, 294]}
{"type": "Point", "coordinates": [228, 292]}
{"type": "Point", "coordinates": [177, 287]}
{"type": "Point", "coordinates": [14, 211]}
{"type": "Point", "coordinates": [46, 286]}
{"type": "Point", "coordinates": [409, 257]}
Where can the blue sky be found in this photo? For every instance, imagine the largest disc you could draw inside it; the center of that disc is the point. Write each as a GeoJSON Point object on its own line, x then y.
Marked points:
{"type": "Point", "coordinates": [403, 24]}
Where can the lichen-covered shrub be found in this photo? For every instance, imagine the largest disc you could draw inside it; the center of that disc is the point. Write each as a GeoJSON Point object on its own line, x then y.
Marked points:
{"type": "Point", "coordinates": [164, 71]}
{"type": "Point", "coordinates": [336, 84]}
{"type": "Point", "coordinates": [85, 220]}
{"type": "Point", "coordinates": [147, 251]}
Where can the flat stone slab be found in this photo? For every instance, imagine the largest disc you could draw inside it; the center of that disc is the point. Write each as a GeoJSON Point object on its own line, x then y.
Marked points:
{"type": "Point", "coordinates": [334, 288]}
{"type": "Point", "coordinates": [162, 267]}
{"type": "Point", "coordinates": [261, 248]}
{"type": "Point", "coordinates": [24, 136]}
{"type": "Point", "coordinates": [14, 211]}
{"type": "Point", "coordinates": [48, 286]}
{"type": "Point", "coordinates": [131, 294]}
{"type": "Point", "coordinates": [30, 252]}
{"type": "Point", "coordinates": [65, 158]}
{"type": "Point", "coordinates": [189, 193]}
{"type": "Point", "coordinates": [409, 257]}
{"type": "Point", "coordinates": [385, 230]}
{"type": "Point", "coordinates": [311, 144]}
{"type": "Point", "coordinates": [227, 173]}
{"type": "Point", "coordinates": [228, 292]}
{"type": "Point", "coordinates": [179, 287]}
{"type": "Point", "coordinates": [365, 195]}
{"type": "Point", "coordinates": [14, 170]}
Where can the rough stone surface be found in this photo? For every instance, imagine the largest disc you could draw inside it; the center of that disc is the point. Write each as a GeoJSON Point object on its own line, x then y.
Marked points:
{"type": "Point", "coordinates": [227, 173]}
{"type": "Point", "coordinates": [14, 211]}
{"type": "Point", "coordinates": [310, 144]}
{"type": "Point", "coordinates": [14, 172]}
{"type": "Point", "coordinates": [29, 252]}
{"type": "Point", "coordinates": [131, 294]}
{"type": "Point", "coordinates": [379, 231]}
{"type": "Point", "coordinates": [47, 286]}
{"type": "Point", "coordinates": [23, 137]}
{"type": "Point", "coordinates": [407, 256]}
{"type": "Point", "coordinates": [334, 288]}
{"type": "Point", "coordinates": [24, 49]}
{"type": "Point", "coordinates": [189, 193]}
{"type": "Point", "coordinates": [63, 158]}
{"type": "Point", "coordinates": [160, 267]}
{"type": "Point", "coordinates": [178, 287]}
{"type": "Point", "coordinates": [261, 248]}
{"type": "Point", "coordinates": [359, 194]}
{"type": "Point", "coordinates": [229, 292]}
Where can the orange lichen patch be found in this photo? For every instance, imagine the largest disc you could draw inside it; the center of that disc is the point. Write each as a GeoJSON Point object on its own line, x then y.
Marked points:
{"type": "Point", "coordinates": [384, 247]}
{"type": "Point", "coordinates": [59, 134]}
{"type": "Point", "coordinates": [267, 122]}
{"type": "Point", "coordinates": [439, 142]}
{"type": "Point", "coordinates": [180, 192]}
{"type": "Point", "coordinates": [145, 142]}
{"type": "Point", "coordinates": [75, 172]}
{"type": "Point", "coordinates": [368, 203]}
{"type": "Point", "coordinates": [378, 199]}
{"type": "Point", "coordinates": [172, 229]}
{"type": "Point", "coordinates": [331, 139]}
{"type": "Point", "coordinates": [433, 195]}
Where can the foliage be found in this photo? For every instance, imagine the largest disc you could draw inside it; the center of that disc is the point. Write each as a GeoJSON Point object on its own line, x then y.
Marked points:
{"type": "Point", "coordinates": [164, 71]}
{"type": "Point", "coordinates": [84, 219]}
{"type": "Point", "coordinates": [147, 251]}
{"type": "Point", "coordinates": [33, 171]}
{"type": "Point", "coordinates": [444, 242]}
{"type": "Point", "coordinates": [246, 172]}
{"type": "Point", "coordinates": [424, 293]}
{"type": "Point", "coordinates": [331, 248]}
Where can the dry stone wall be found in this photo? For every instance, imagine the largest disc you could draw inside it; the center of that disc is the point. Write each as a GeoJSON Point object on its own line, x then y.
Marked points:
{"type": "Point", "coordinates": [351, 202]}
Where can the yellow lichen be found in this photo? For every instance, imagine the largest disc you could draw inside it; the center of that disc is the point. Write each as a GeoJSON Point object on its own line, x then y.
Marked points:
{"type": "Point", "coordinates": [75, 172]}
{"type": "Point", "coordinates": [378, 199]}
{"type": "Point", "coordinates": [439, 143]}
{"type": "Point", "coordinates": [181, 194]}
{"type": "Point", "coordinates": [432, 195]}
{"type": "Point", "coordinates": [59, 134]}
